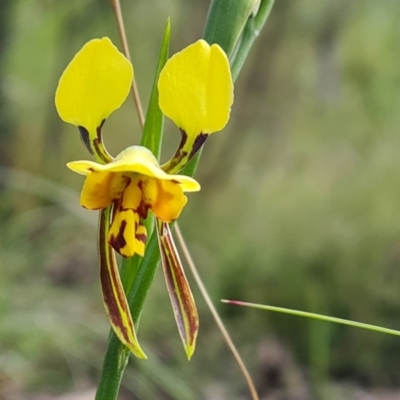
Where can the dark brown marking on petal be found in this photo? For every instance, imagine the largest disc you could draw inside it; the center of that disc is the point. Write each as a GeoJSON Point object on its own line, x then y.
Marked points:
{"type": "Point", "coordinates": [184, 137]}
{"type": "Point", "coordinates": [126, 180]}
{"type": "Point", "coordinates": [116, 207]}
{"type": "Point", "coordinates": [118, 201]}
{"type": "Point", "coordinates": [179, 154]}
{"type": "Point", "coordinates": [85, 138]}
{"type": "Point", "coordinates": [141, 237]}
{"type": "Point", "coordinates": [198, 142]}
{"type": "Point", "coordinates": [94, 146]}
{"type": "Point", "coordinates": [178, 157]}
{"type": "Point", "coordinates": [99, 141]}
{"type": "Point", "coordinates": [182, 157]}
{"type": "Point", "coordinates": [175, 181]}
{"type": "Point", "coordinates": [143, 207]}
{"type": "Point", "coordinates": [141, 210]}
{"type": "Point", "coordinates": [98, 145]}
{"type": "Point", "coordinates": [141, 184]}
{"type": "Point", "coordinates": [118, 242]}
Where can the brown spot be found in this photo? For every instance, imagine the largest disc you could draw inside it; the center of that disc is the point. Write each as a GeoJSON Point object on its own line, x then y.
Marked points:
{"type": "Point", "coordinates": [179, 154]}
{"type": "Point", "coordinates": [95, 147]}
{"type": "Point", "coordinates": [141, 184]}
{"type": "Point", "coordinates": [126, 181]}
{"type": "Point", "coordinates": [98, 145]}
{"type": "Point", "coordinates": [199, 141]}
{"type": "Point", "coordinates": [143, 209]}
{"type": "Point", "coordinates": [142, 237]}
{"type": "Point", "coordinates": [85, 138]}
{"type": "Point", "coordinates": [184, 137]}
{"type": "Point", "coordinates": [118, 242]}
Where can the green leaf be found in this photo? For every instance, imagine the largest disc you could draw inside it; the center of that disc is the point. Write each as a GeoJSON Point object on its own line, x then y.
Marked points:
{"type": "Point", "coordinates": [225, 22]}
{"type": "Point", "coordinates": [154, 124]}
{"type": "Point", "coordinates": [316, 316]}
{"type": "Point", "coordinates": [250, 33]}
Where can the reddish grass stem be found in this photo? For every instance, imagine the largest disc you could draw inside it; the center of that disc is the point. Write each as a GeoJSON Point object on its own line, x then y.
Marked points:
{"type": "Point", "coordinates": [122, 33]}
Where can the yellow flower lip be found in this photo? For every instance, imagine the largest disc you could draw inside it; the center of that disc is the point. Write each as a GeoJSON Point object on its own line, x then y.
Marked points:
{"type": "Point", "coordinates": [135, 159]}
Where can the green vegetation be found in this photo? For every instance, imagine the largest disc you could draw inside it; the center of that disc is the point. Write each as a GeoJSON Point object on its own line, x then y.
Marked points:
{"type": "Point", "coordinates": [299, 208]}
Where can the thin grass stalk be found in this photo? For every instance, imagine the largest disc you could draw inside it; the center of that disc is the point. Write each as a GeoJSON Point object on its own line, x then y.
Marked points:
{"type": "Point", "coordinates": [215, 314]}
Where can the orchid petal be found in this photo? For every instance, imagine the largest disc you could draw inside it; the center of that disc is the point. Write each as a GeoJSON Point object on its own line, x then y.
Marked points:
{"type": "Point", "coordinates": [196, 92]}
{"type": "Point", "coordinates": [95, 83]}
{"type": "Point", "coordinates": [165, 198]}
{"type": "Point", "coordinates": [179, 291]}
{"type": "Point", "coordinates": [196, 89]}
{"type": "Point", "coordinates": [114, 297]}
{"type": "Point", "coordinates": [136, 159]}
{"type": "Point", "coordinates": [101, 189]}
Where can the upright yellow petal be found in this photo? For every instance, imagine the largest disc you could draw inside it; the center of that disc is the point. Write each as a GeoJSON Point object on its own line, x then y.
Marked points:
{"type": "Point", "coordinates": [196, 90]}
{"type": "Point", "coordinates": [94, 84]}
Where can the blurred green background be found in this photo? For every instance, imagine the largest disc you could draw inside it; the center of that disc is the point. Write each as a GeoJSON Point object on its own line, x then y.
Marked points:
{"type": "Point", "coordinates": [299, 207]}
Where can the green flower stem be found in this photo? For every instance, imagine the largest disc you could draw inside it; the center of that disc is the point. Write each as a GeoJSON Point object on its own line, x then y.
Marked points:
{"type": "Point", "coordinates": [116, 360]}
{"type": "Point", "coordinates": [154, 123]}
{"type": "Point", "coordinates": [137, 275]}
{"type": "Point", "coordinates": [319, 317]}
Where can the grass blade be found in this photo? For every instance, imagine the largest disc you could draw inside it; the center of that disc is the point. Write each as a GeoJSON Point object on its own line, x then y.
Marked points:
{"type": "Point", "coordinates": [319, 317]}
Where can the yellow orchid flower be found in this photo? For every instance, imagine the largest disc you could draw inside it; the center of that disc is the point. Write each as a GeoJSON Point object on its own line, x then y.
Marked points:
{"type": "Point", "coordinates": [134, 183]}
{"type": "Point", "coordinates": [196, 92]}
